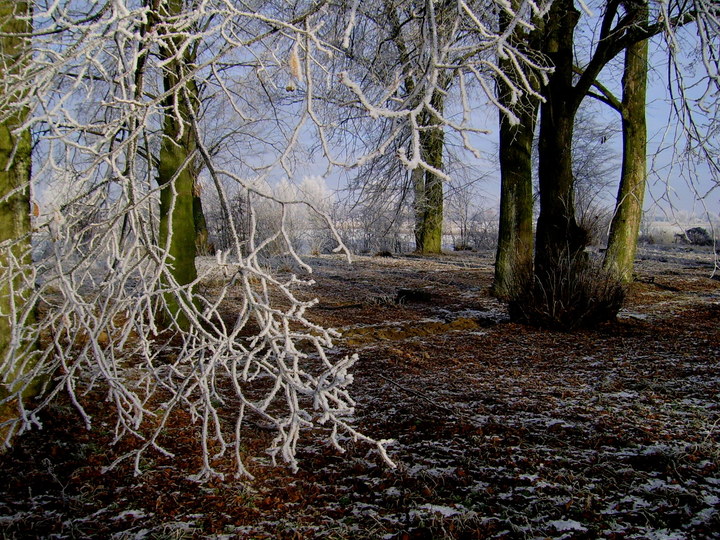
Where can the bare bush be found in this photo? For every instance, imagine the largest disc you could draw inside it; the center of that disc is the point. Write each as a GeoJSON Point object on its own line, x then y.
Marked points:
{"type": "Point", "coordinates": [575, 292]}
{"type": "Point", "coordinates": [698, 236]}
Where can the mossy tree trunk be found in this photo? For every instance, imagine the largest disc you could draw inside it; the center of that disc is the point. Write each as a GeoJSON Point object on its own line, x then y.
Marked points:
{"type": "Point", "coordinates": [429, 196]}
{"type": "Point", "coordinates": [622, 243]}
{"type": "Point", "coordinates": [557, 230]}
{"type": "Point", "coordinates": [515, 229]}
{"type": "Point", "coordinates": [16, 355]}
{"type": "Point", "coordinates": [428, 188]}
{"type": "Point", "coordinates": [176, 173]}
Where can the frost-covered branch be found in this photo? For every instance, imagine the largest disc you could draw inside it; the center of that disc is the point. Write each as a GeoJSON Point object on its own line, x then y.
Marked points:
{"type": "Point", "coordinates": [100, 86]}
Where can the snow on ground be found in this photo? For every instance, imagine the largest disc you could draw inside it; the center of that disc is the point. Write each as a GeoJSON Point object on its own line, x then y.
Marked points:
{"type": "Point", "coordinates": [502, 431]}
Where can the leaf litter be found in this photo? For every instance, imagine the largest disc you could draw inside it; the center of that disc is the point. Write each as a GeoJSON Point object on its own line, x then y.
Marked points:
{"type": "Point", "coordinates": [501, 430]}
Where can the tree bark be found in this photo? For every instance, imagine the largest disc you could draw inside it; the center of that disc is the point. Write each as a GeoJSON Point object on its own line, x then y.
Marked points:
{"type": "Point", "coordinates": [203, 245]}
{"type": "Point", "coordinates": [176, 174]}
{"type": "Point", "coordinates": [16, 358]}
{"type": "Point", "coordinates": [558, 234]}
{"type": "Point", "coordinates": [515, 232]}
{"type": "Point", "coordinates": [417, 177]}
{"type": "Point", "coordinates": [622, 243]}
{"type": "Point", "coordinates": [515, 228]}
{"type": "Point", "coordinates": [429, 195]}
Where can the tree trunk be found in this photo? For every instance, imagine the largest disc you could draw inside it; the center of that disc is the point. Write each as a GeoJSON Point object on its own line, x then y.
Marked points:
{"type": "Point", "coordinates": [622, 243]}
{"type": "Point", "coordinates": [515, 232]}
{"type": "Point", "coordinates": [427, 187]}
{"type": "Point", "coordinates": [515, 229]}
{"type": "Point", "coordinates": [417, 177]}
{"type": "Point", "coordinates": [176, 173]}
{"type": "Point", "coordinates": [429, 225]}
{"type": "Point", "coordinates": [16, 357]}
{"type": "Point", "coordinates": [203, 245]}
{"type": "Point", "coordinates": [558, 234]}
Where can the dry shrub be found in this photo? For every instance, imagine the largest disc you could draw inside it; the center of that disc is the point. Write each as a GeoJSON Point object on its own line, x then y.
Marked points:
{"type": "Point", "coordinates": [575, 292]}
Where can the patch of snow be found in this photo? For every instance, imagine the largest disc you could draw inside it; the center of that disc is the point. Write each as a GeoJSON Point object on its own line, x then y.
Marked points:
{"type": "Point", "coordinates": [660, 484]}
{"type": "Point", "coordinates": [657, 449]}
{"type": "Point", "coordinates": [622, 395]}
{"type": "Point", "coordinates": [445, 511]}
{"type": "Point", "coordinates": [434, 472]}
{"type": "Point", "coordinates": [19, 517]}
{"type": "Point", "coordinates": [622, 314]}
{"type": "Point", "coordinates": [704, 516]}
{"type": "Point", "coordinates": [142, 533]}
{"type": "Point", "coordinates": [664, 534]}
{"type": "Point", "coordinates": [562, 525]}
{"type": "Point", "coordinates": [478, 486]}
{"type": "Point", "coordinates": [557, 422]}
{"type": "Point", "coordinates": [635, 503]}
{"type": "Point", "coordinates": [480, 419]}
{"type": "Point", "coordinates": [130, 514]}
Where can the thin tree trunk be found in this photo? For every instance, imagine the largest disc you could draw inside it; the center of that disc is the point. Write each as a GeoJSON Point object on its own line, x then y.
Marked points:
{"type": "Point", "coordinates": [622, 243]}
{"type": "Point", "coordinates": [16, 358]}
{"type": "Point", "coordinates": [176, 172]}
{"type": "Point", "coordinates": [203, 245]}
{"type": "Point", "coordinates": [417, 177]}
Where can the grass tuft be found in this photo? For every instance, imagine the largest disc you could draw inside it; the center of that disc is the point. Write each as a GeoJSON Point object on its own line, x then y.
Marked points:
{"type": "Point", "coordinates": [575, 292]}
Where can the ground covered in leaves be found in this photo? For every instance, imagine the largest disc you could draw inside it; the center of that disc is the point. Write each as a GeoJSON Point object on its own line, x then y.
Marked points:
{"type": "Point", "coordinates": [502, 430]}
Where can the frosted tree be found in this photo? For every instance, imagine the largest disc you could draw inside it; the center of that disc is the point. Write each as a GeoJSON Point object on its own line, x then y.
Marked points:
{"type": "Point", "coordinates": [122, 98]}
{"type": "Point", "coordinates": [110, 91]}
{"type": "Point", "coordinates": [17, 348]}
{"type": "Point", "coordinates": [420, 69]}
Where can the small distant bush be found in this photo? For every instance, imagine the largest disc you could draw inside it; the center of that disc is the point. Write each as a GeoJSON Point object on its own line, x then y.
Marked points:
{"type": "Point", "coordinates": [697, 236]}
{"type": "Point", "coordinates": [574, 293]}
{"type": "Point", "coordinates": [646, 239]}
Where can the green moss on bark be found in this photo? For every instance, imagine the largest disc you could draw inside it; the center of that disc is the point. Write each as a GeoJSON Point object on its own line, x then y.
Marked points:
{"type": "Point", "coordinates": [17, 355]}
{"type": "Point", "coordinates": [625, 227]}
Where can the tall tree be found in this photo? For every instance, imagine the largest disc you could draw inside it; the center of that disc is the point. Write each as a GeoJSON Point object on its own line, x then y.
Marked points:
{"type": "Point", "coordinates": [557, 228]}
{"type": "Point", "coordinates": [428, 186]}
{"type": "Point", "coordinates": [517, 121]}
{"type": "Point", "coordinates": [16, 311]}
{"type": "Point", "coordinates": [408, 26]}
{"type": "Point", "coordinates": [443, 52]}
{"type": "Point", "coordinates": [625, 227]}
{"type": "Point", "coordinates": [558, 232]}
{"type": "Point", "coordinates": [176, 170]}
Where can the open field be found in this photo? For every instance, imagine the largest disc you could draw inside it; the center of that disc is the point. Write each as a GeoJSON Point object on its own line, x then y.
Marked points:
{"type": "Point", "coordinates": [502, 430]}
